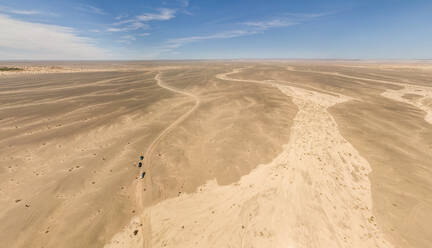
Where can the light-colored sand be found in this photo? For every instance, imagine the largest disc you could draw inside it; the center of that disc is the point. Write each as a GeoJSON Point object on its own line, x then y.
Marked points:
{"type": "Point", "coordinates": [275, 154]}
{"type": "Point", "coordinates": [28, 69]}
{"type": "Point", "coordinates": [316, 193]}
{"type": "Point", "coordinates": [421, 95]}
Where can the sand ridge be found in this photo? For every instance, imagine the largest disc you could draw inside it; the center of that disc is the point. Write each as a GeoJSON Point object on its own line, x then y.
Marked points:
{"type": "Point", "coordinates": [316, 193]}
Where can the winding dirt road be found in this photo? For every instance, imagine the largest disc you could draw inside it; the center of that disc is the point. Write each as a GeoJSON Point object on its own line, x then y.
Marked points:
{"type": "Point", "coordinates": [146, 216]}
{"type": "Point", "coordinates": [157, 140]}
{"type": "Point", "coordinates": [143, 220]}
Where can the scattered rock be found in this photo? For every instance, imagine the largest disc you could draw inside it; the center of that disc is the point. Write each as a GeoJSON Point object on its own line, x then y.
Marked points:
{"type": "Point", "coordinates": [17, 200]}
{"type": "Point", "coordinates": [135, 232]}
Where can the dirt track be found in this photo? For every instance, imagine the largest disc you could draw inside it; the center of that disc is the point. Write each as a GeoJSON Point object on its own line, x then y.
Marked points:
{"type": "Point", "coordinates": [146, 215]}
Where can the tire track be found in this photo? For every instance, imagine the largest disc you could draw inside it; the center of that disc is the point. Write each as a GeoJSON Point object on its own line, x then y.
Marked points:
{"type": "Point", "coordinates": [149, 155]}
{"type": "Point", "coordinates": [144, 238]}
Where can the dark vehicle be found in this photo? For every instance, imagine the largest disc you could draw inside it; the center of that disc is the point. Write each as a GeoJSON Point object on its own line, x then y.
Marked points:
{"type": "Point", "coordinates": [141, 157]}
{"type": "Point", "coordinates": [139, 164]}
{"type": "Point", "coordinates": [142, 175]}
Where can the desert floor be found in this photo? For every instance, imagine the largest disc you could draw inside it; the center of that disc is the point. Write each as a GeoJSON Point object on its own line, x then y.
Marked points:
{"type": "Point", "coordinates": [236, 154]}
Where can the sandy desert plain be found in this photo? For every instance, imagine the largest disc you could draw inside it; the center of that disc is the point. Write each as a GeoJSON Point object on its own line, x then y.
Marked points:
{"type": "Point", "coordinates": [236, 154]}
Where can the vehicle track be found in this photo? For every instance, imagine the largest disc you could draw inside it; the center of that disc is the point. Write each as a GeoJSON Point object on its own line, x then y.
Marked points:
{"type": "Point", "coordinates": [146, 216]}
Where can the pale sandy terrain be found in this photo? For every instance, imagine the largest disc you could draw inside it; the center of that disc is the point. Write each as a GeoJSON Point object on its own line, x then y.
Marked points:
{"type": "Point", "coordinates": [236, 154]}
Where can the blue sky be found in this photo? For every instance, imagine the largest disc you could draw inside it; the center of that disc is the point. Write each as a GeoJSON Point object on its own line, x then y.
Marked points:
{"type": "Point", "coordinates": [215, 29]}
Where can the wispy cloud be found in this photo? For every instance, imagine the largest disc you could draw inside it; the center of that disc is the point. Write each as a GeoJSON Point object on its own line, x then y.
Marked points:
{"type": "Point", "coordinates": [163, 15]}
{"type": "Point", "coordinates": [178, 42]}
{"type": "Point", "coordinates": [29, 40]}
{"type": "Point", "coordinates": [131, 26]}
{"type": "Point", "coordinates": [7, 10]}
{"type": "Point", "coordinates": [307, 15]}
{"type": "Point", "coordinates": [121, 16]}
{"type": "Point", "coordinates": [123, 22]}
{"type": "Point", "coordinates": [249, 28]}
{"type": "Point", "coordinates": [140, 21]}
{"type": "Point", "coordinates": [288, 19]}
{"type": "Point", "coordinates": [184, 3]}
{"type": "Point", "coordinates": [90, 9]}
{"type": "Point", "coordinates": [271, 23]}
{"type": "Point", "coordinates": [127, 39]}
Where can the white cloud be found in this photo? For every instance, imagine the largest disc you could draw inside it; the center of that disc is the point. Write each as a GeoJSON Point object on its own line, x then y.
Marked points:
{"type": "Point", "coordinates": [127, 39]}
{"type": "Point", "coordinates": [24, 12]}
{"type": "Point", "coordinates": [308, 15]}
{"type": "Point", "coordinates": [130, 27]}
{"type": "Point", "coordinates": [13, 11]}
{"type": "Point", "coordinates": [117, 29]}
{"type": "Point", "coordinates": [90, 9]}
{"type": "Point", "coordinates": [251, 28]}
{"type": "Point", "coordinates": [26, 40]}
{"type": "Point", "coordinates": [163, 15]}
{"type": "Point", "coordinates": [140, 22]}
{"type": "Point", "coordinates": [122, 16]}
{"type": "Point", "coordinates": [289, 19]}
{"type": "Point", "coordinates": [271, 24]}
{"type": "Point", "coordinates": [184, 3]}
{"type": "Point", "coordinates": [123, 22]}
{"type": "Point", "coordinates": [178, 42]}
